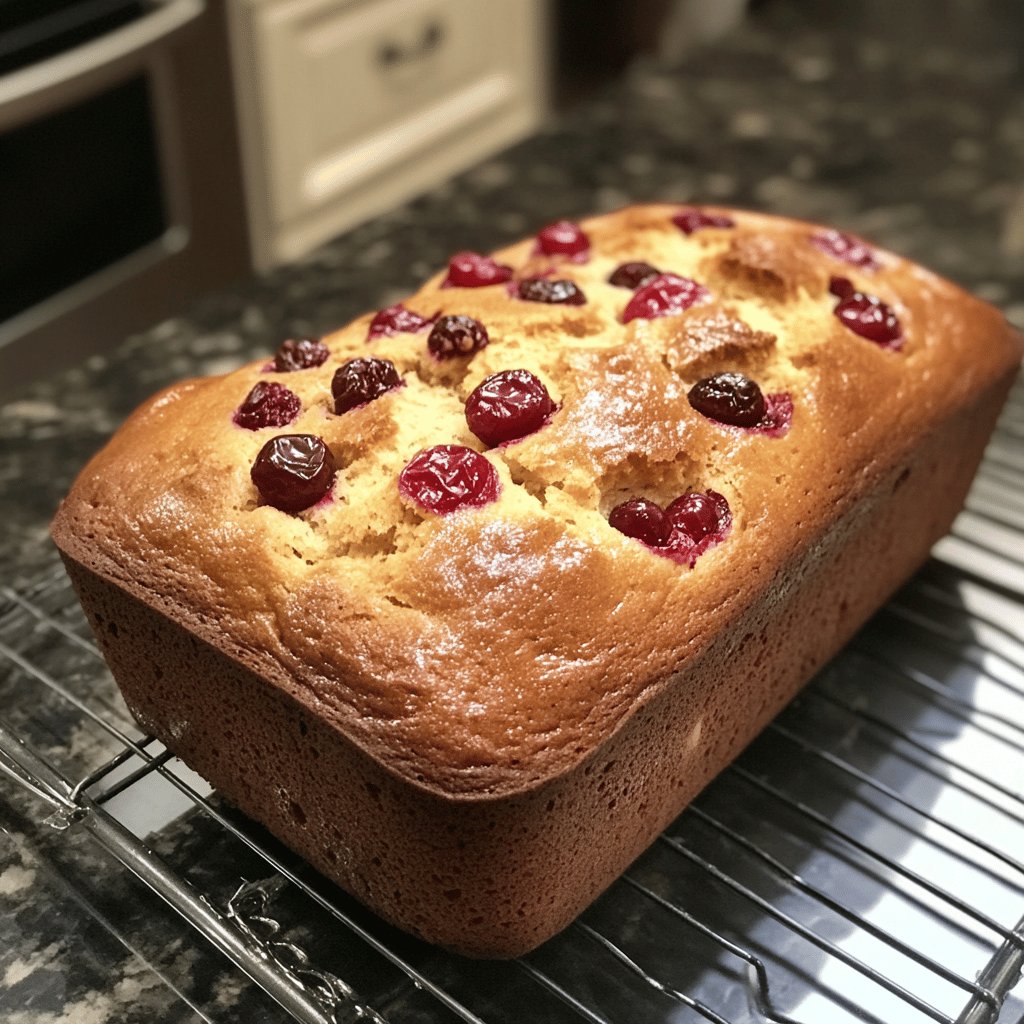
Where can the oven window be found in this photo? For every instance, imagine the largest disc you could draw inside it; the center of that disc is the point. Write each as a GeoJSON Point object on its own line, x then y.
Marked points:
{"type": "Point", "coordinates": [80, 189]}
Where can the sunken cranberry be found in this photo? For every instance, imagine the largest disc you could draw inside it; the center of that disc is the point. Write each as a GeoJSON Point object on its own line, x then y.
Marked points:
{"type": "Point", "coordinates": [397, 320]}
{"type": "Point", "coordinates": [300, 354]}
{"type": "Point", "coordinates": [869, 317]}
{"type": "Point", "coordinates": [682, 549]}
{"type": "Point", "coordinates": [457, 336]}
{"type": "Point", "coordinates": [729, 398]}
{"type": "Point", "coordinates": [847, 248]}
{"type": "Point", "coordinates": [471, 270]}
{"type": "Point", "coordinates": [778, 416]}
{"type": "Point", "coordinates": [543, 289]}
{"type": "Point", "coordinates": [699, 515]}
{"type": "Point", "coordinates": [632, 275]}
{"type": "Point", "coordinates": [692, 220]}
{"type": "Point", "coordinates": [448, 477]}
{"type": "Point", "coordinates": [362, 380]}
{"type": "Point", "coordinates": [643, 520]}
{"type": "Point", "coordinates": [563, 238]}
{"type": "Point", "coordinates": [269, 404]}
{"type": "Point", "coordinates": [507, 406]}
{"type": "Point", "coordinates": [663, 295]}
{"type": "Point", "coordinates": [293, 471]}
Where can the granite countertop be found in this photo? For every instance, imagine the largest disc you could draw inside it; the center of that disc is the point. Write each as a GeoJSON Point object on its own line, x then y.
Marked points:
{"type": "Point", "coordinates": [902, 122]}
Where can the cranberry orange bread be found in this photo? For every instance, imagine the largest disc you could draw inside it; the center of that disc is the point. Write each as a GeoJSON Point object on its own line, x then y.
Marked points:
{"type": "Point", "coordinates": [467, 600]}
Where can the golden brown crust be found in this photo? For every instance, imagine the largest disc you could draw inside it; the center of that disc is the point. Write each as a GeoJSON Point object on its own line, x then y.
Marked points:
{"type": "Point", "coordinates": [491, 651]}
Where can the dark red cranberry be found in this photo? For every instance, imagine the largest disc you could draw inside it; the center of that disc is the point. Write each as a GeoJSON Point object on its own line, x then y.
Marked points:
{"type": "Point", "coordinates": [663, 295]}
{"type": "Point", "coordinates": [632, 275]}
{"type": "Point", "coordinates": [362, 380]}
{"type": "Point", "coordinates": [699, 515]}
{"type": "Point", "coordinates": [269, 404]}
{"type": "Point", "coordinates": [847, 248]}
{"type": "Point", "coordinates": [397, 320]}
{"type": "Point", "coordinates": [457, 336]}
{"type": "Point", "coordinates": [300, 354]}
{"type": "Point", "coordinates": [869, 317]}
{"type": "Point", "coordinates": [841, 287]}
{"type": "Point", "coordinates": [507, 406]}
{"type": "Point", "coordinates": [563, 238]}
{"type": "Point", "coordinates": [543, 289]}
{"type": "Point", "coordinates": [729, 398]}
{"type": "Point", "coordinates": [471, 270]}
{"type": "Point", "coordinates": [643, 520]}
{"type": "Point", "coordinates": [448, 477]}
{"type": "Point", "coordinates": [293, 471]}
{"type": "Point", "coordinates": [693, 219]}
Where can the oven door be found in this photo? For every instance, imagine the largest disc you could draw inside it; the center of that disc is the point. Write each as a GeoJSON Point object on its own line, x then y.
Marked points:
{"type": "Point", "coordinates": [120, 191]}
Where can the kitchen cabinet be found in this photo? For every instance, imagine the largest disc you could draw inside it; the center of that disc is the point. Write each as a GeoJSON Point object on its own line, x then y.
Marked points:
{"type": "Point", "coordinates": [347, 108]}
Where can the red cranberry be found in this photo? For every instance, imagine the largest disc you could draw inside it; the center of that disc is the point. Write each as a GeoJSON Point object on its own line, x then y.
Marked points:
{"type": "Point", "coordinates": [699, 522]}
{"type": "Point", "coordinates": [847, 248]}
{"type": "Point", "coordinates": [867, 316]}
{"type": "Point", "coordinates": [643, 520]}
{"type": "Point", "coordinates": [543, 289]}
{"type": "Point", "coordinates": [448, 477]}
{"type": "Point", "coordinates": [507, 406]}
{"type": "Point", "coordinates": [397, 320]}
{"type": "Point", "coordinates": [362, 380]}
{"type": "Point", "coordinates": [663, 295]}
{"type": "Point", "coordinates": [300, 354]}
{"type": "Point", "coordinates": [293, 471]}
{"type": "Point", "coordinates": [457, 336]}
{"type": "Point", "coordinates": [269, 404]}
{"type": "Point", "coordinates": [563, 238]}
{"type": "Point", "coordinates": [700, 515]}
{"type": "Point", "coordinates": [692, 220]}
{"type": "Point", "coordinates": [632, 275]}
{"type": "Point", "coordinates": [471, 270]}
{"type": "Point", "coordinates": [729, 398]}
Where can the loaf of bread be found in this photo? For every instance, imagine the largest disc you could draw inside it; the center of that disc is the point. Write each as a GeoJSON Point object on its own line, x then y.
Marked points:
{"type": "Point", "coordinates": [466, 601]}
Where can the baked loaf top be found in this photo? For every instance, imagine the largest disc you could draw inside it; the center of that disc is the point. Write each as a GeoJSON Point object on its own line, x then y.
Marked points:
{"type": "Point", "coordinates": [484, 650]}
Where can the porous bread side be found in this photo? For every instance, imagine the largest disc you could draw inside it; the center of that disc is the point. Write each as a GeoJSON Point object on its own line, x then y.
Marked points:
{"type": "Point", "coordinates": [491, 650]}
{"type": "Point", "coordinates": [494, 876]}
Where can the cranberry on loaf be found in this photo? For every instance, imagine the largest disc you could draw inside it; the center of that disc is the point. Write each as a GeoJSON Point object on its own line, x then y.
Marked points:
{"type": "Point", "coordinates": [468, 599]}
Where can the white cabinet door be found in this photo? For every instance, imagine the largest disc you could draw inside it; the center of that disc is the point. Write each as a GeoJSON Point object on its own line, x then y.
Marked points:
{"type": "Point", "coordinates": [355, 105]}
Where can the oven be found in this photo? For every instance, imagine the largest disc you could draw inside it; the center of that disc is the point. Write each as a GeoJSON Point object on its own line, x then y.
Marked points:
{"type": "Point", "coordinates": [120, 174]}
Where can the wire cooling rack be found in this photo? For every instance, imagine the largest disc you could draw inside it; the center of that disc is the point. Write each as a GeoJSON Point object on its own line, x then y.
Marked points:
{"type": "Point", "coordinates": [862, 861]}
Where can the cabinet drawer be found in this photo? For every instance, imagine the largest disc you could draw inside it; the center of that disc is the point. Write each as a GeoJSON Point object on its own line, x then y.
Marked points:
{"type": "Point", "coordinates": [346, 90]}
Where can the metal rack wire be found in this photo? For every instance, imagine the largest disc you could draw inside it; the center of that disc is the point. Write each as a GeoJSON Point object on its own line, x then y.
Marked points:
{"type": "Point", "coordinates": [863, 860]}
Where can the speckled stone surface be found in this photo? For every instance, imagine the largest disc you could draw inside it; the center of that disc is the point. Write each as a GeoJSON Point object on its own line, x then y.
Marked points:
{"type": "Point", "coordinates": [903, 122]}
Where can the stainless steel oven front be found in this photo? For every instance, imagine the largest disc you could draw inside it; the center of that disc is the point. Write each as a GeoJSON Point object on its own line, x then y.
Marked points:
{"type": "Point", "coordinates": [120, 177]}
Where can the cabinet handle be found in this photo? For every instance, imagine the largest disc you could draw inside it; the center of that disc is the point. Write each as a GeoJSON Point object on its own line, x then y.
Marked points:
{"type": "Point", "coordinates": [392, 54]}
